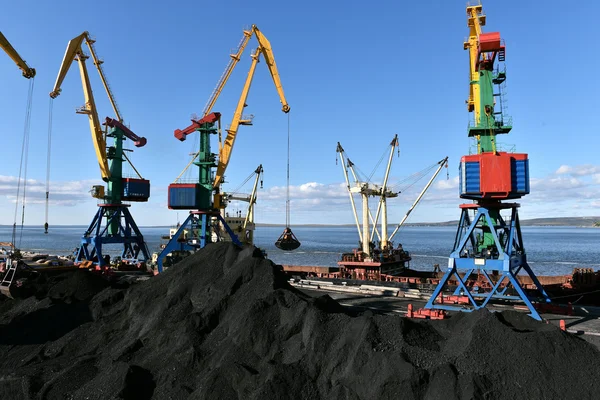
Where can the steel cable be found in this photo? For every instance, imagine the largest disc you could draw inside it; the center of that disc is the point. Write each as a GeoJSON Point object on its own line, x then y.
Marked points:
{"type": "Point", "coordinates": [23, 169]}
{"type": "Point", "coordinates": [48, 163]}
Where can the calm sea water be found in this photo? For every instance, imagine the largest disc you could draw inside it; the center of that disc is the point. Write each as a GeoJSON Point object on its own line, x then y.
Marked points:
{"type": "Point", "coordinates": [550, 250]}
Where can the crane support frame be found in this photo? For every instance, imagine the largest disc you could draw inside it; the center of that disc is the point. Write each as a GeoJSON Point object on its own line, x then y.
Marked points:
{"type": "Point", "coordinates": [198, 222]}
{"type": "Point", "coordinates": [96, 236]}
{"type": "Point", "coordinates": [500, 264]}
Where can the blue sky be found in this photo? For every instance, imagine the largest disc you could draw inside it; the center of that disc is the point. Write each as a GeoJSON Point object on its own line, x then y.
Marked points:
{"type": "Point", "coordinates": [352, 72]}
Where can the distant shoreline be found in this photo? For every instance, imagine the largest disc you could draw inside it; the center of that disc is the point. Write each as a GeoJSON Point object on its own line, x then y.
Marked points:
{"type": "Point", "coordinates": [582, 222]}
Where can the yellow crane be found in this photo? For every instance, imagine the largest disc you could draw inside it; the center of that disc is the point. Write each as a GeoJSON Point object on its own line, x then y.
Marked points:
{"type": "Point", "coordinates": [120, 226]}
{"type": "Point", "coordinates": [204, 196]}
{"type": "Point", "coordinates": [28, 72]}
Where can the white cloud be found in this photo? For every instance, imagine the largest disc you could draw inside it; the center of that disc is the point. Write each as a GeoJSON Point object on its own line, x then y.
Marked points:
{"type": "Point", "coordinates": [556, 183]}
{"type": "Point", "coordinates": [569, 191]}
{"type": "Point", "coordinates": [578, 170]}
{"type": "Point", "coordinates": [315, 202]}
{"type": "Point", "coordinates": [309, 190]}
{"type": "Point", "coordinates": [447, 184]}
{"type": "Point", "coordinates": [60, 193]}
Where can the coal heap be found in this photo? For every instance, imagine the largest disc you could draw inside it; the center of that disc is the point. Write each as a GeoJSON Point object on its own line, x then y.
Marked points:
{"type": "Point", "coordinates": [225, 324]}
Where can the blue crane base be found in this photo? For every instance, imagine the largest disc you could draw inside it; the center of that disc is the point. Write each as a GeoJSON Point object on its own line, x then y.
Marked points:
{"type": "Point", "coordinates": [119, 227]}
{"type": "Point", "coordinates": [198, 225]}
{"type": "Point", "coordinates": [499, 263]}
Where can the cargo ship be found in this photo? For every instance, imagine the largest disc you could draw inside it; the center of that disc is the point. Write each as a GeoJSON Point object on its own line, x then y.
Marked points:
{"type": "Point", "coordinates": [376, 259]}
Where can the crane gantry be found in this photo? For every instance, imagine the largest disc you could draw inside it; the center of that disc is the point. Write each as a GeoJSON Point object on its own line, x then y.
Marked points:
{"type": "Point", "coordinates": [120, 226]}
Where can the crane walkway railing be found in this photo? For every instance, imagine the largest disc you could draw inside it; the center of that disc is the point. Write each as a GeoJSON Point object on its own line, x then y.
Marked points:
{"type": "Point", "coordinates": [504, 147]}
{"type": "Point", "coordinates": [501, 121]}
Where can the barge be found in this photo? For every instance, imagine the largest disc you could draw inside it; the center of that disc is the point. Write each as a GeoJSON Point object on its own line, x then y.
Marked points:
{"type": "Point", "coordinates": [581, 287]}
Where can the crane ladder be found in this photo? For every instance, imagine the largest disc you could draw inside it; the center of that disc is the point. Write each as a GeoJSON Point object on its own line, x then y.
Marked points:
{"type": "Point", "coordinates": [8, 278]}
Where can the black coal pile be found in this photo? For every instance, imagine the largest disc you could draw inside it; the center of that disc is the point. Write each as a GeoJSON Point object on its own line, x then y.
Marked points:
{"type": "Point", "coordinates": [225, 324]}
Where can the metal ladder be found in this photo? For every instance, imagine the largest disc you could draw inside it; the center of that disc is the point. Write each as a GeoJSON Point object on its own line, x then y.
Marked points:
{"type": "Point", "coordinates": [9, 276]}
{"type": "Point", "coordinates": [502, 55]}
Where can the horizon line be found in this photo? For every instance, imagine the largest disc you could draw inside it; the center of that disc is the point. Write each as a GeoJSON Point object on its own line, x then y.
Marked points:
{"type": "Point", "coordinates": [320, 224]}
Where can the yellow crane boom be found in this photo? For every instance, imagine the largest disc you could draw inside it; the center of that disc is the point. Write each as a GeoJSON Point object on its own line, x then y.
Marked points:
{"type": "Point", "coordinates": [28, 72]}
{"type": "Point", "coordinates": [475, 20]}
{"type": "Point", "coordinates": [225, 150]}
{"type": "Point", "coordinates": [267, 52]}
{"type": "Point", "coordinates": [234, 59]}
{"type": "Point", "coordinates": [74, 52]}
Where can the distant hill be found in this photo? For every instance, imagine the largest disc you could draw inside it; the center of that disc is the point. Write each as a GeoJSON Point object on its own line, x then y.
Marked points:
{"type": "Point", "coordinates": [560, 221]}
{"type": "Point", "coordinates": [564, 221]}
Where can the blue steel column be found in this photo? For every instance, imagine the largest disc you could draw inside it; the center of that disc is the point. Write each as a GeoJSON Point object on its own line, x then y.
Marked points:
{"type": "Point", "coordinates": [510, 260]}
{"type": "Point", "coordinates": [113, 232]}
{"type": "Point", "coordinates": [203, 231]}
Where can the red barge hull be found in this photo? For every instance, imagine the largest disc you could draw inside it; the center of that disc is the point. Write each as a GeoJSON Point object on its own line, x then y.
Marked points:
{"type": "Point", "coordinates": [580, 287]}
